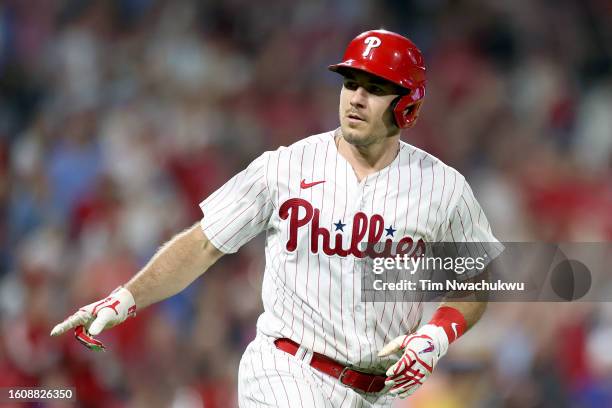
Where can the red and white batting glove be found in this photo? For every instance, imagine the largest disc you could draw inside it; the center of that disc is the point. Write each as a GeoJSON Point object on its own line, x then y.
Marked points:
{"type": "Point", "coordinates": [90, 320]}
{"type": "Point", "coordinates": [421, 351]}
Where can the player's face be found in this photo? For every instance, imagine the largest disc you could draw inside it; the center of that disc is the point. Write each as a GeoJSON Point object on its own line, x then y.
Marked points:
{"type": "Point", "coordinates": [365, 113]}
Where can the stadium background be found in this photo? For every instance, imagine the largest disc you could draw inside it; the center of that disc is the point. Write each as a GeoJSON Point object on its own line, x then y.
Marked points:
{"type": "Point", "coordinates": [118, 117]}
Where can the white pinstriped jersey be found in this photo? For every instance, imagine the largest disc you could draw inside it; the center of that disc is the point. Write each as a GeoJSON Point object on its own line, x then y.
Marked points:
{"type": "Point", "coordinates": [314, 211]}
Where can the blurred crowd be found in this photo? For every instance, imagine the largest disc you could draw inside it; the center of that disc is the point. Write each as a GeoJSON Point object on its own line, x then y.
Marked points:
{"type": "Point", "coordinates": [117, 117]}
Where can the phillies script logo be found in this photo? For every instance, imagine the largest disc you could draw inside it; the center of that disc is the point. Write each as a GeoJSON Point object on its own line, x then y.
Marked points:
{"type": "Point", "coordinates": [373, 228]}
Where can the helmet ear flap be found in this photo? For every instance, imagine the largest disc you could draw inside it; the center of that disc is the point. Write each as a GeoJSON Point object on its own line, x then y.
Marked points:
{"type": "Point", "coordinates": [406, 111]}
{"type": "Point", "coordinates": [406, 107]}
{"type": "Point", "coordinates": [394, 103]}
{"type": "Point", "coordinates": [394, 109]}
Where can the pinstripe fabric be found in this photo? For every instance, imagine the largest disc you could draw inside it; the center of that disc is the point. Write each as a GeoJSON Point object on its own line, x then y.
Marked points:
{"type": "Point", "coordinates": [312, 281]}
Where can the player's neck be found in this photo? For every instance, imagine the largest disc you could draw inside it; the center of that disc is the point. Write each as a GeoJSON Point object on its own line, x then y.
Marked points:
{"type": "Point", "coordinates": [366, 160]}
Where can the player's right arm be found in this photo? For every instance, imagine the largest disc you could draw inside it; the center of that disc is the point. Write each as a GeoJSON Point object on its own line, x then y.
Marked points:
{"type": "Point", "coordinates": [234, 214]}
{"type": "Point", "coordinates": [178, 263]}
{"type": "Point", "coordinates": [175, 265]}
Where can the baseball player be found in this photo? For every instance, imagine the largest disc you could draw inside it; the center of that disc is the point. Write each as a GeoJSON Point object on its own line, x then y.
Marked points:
{"type": "Point", "coordinates": [318, 344]}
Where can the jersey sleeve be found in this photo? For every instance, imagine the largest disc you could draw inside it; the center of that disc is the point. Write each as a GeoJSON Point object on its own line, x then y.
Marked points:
{"type": "Point", "coordinates": [467, 221]}
{"type": "Point", "coordinates": [240, 209]}
{"type": "Point", "coordinates": [467, 232]}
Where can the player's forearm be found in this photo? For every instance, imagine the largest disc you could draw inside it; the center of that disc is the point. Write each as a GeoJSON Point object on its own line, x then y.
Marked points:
{"type": "Point", "coordinates": [471, 306]}
{"type": "Point", "coordinates": [175, 265]}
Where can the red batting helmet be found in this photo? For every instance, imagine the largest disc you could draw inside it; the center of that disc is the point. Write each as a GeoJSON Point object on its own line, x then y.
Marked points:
{"type": "Point", "coordinates": [392, 57]}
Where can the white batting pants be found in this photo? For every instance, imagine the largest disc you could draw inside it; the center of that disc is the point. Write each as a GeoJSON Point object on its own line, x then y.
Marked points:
{"type": "Point", "coordinates": [269, 377]}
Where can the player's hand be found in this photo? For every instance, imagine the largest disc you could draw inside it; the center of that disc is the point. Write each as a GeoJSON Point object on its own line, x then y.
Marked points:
{"type": "Point", "coordinates": [421, 352]}
{"type": "Point", "coordinates": [90, 320]}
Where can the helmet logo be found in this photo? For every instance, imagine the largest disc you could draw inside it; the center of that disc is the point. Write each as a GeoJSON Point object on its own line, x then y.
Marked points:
{"type": "Point", "coordinates": [372, 42]}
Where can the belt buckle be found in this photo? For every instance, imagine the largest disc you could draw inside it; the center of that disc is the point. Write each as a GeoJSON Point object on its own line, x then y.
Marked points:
{"type": "Point", "coordinates": [341, 376]}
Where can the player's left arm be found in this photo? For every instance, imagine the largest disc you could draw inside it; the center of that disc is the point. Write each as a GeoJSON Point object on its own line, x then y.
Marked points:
{"type": "Point", "coordinates": [458, 312]}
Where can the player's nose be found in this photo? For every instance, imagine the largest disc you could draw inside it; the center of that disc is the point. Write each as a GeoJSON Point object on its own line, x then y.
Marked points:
{"type": "Point", "coordinates": [359, 97]}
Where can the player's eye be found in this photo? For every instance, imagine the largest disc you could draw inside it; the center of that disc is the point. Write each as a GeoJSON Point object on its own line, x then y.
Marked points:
{"type": "Point", "coordinates": [376, 90]}
{"type": "Point", "coordinates": [351, 85]}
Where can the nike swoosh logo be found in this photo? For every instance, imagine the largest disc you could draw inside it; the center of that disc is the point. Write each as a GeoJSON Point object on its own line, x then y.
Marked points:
{"type": "Point", "coordinates": [305, 185]}
{"type": "Point", "coordinates": [454, 327]}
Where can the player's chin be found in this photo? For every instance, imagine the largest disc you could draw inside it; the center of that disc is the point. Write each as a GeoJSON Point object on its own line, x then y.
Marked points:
{"type": "Point", "coordinates": [355, 131]}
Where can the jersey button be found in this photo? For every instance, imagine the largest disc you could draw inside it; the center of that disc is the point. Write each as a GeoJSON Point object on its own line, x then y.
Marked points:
{"type": "Point", "coordinates": [358, 308]}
